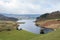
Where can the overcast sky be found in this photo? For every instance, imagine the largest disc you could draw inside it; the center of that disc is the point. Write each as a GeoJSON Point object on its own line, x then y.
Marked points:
{"type": "Point", "coordinates": [29, 6]}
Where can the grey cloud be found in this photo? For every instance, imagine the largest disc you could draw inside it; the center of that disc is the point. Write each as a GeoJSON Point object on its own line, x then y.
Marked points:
{"type": "Point", "coordinates": [30, 6]}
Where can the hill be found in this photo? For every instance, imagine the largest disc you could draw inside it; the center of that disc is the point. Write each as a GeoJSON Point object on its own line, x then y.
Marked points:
{"type": "Point", "coordinates": [47, 16]}
{"type": "Point", "coordinates": [5, 18]}
{"type": "Point", "coordinates": [22, 16]}
{"type": "Point", "coordinates": [16, 35]}
{"type": "Point", "coordinates": [50, 36]}
{"type": "Point", "coordinates": [7, 23]}
{"type": "Point", "coordinates": [49, 20]}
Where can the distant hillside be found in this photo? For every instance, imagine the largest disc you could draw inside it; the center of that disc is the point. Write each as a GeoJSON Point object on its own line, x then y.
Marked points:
{"type": "Point", "coordinates": [49, 20]}
{"type": "Point", "coordinates": [47, 16]}
{"type": "Point", "coordinates": [2, 17]}
{"type": "Point", "coordinates": [23, 16]}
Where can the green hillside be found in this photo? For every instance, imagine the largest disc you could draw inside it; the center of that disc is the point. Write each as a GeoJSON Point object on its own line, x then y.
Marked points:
{"type": "Point", "coordinates": [24, 35]}
{"type": "Point", "coordinates": [50, 36]}
{"type": "Point", "coordinates": [16, 35]}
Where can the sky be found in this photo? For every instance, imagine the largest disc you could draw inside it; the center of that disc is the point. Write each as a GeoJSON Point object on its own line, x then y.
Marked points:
{"type": "Point", "coordinates": [29, 6]}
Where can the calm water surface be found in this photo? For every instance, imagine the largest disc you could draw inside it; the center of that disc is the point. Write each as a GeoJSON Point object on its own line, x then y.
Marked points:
{"type": "Point", "coordinates": [29, 26]}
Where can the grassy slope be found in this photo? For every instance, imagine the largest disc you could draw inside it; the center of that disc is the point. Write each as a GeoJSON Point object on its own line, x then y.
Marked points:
{"type": "Point", "coordinates": [24, 35]}
{"type": "Point", "coordinates": [16, 35]}
{"type": "Point", "coordinates": [53, 23]}
{"type": "Point", "coordinates": [50, 36]}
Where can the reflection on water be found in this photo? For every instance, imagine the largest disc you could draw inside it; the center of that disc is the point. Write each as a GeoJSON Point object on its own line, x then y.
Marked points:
{"type": "Point", "coordinates": [29, 26]}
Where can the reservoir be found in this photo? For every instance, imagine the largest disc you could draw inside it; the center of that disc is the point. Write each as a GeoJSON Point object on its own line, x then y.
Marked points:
{"type": "Point", "coordinates": [29, 25]}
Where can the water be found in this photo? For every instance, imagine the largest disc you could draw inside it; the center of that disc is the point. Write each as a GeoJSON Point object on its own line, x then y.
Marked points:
{"type": "Point", "coordinates": [29, 26]}
{"type": "Point", "coordinates": [47, 30]}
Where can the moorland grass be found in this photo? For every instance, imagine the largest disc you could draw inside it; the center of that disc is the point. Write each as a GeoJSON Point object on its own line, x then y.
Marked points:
{"type": "Point", "coordinates": [16, 35]}
{"type": "Point", "coordinates": [50, 36]}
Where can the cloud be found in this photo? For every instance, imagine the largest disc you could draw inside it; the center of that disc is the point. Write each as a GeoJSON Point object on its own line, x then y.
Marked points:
{"type": "Point", "coordinates": [29, 6]}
